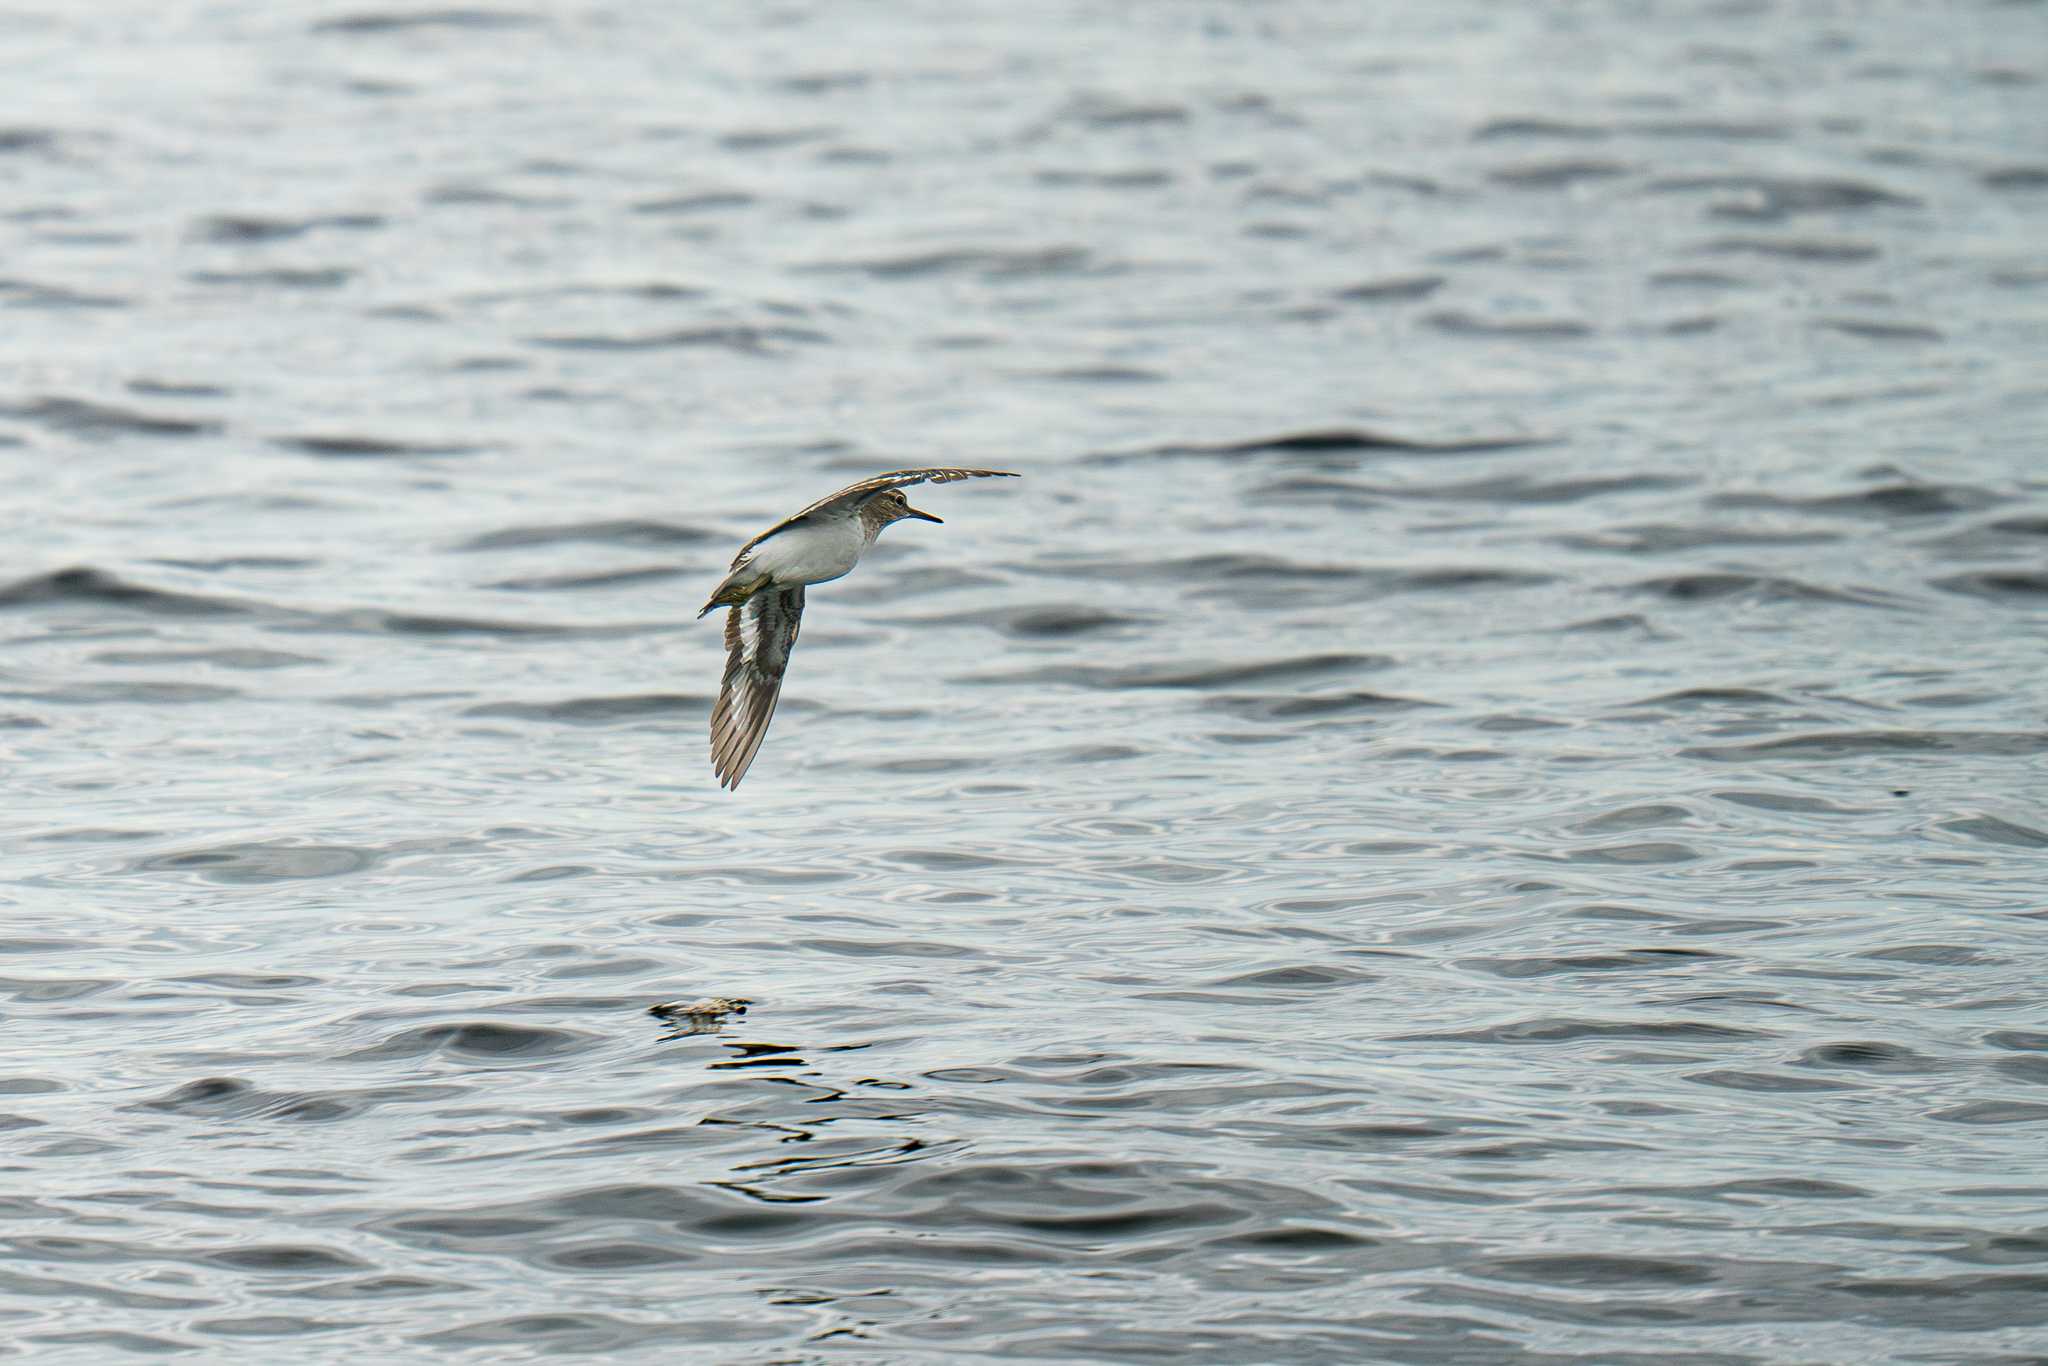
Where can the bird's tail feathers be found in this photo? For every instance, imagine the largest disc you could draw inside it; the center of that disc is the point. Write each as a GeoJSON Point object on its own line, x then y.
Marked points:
{"type": "Point", "coordinates": [736, 589]}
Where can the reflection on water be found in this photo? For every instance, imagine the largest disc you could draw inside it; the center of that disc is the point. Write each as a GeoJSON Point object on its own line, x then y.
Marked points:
{"type": "Point", "coordinates": [1481, 802]}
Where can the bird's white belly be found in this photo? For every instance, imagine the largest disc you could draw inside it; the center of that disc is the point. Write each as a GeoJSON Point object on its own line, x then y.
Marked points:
{"type": "Point", "coordinates": [815, 553]}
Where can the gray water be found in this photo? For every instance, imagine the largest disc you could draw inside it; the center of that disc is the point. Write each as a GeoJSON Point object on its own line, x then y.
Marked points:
{"type": "Point", "coordinates": [1482, 800]}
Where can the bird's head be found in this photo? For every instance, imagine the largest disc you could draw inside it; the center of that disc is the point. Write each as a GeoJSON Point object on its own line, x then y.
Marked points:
{"type": "Point", "coordinates": [892, 506]}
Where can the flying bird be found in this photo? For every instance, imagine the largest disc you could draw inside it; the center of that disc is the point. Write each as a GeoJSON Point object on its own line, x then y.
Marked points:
{"type": "Point", "coordinates": [765, 592]}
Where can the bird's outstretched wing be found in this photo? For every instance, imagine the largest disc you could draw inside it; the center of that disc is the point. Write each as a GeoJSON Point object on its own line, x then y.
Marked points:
{"type": "Point", "coordinates": [759, 635]}
{"type": "Point", "coordinates": [853, 495]}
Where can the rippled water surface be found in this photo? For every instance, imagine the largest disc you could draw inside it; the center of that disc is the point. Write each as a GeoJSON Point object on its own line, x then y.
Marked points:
{"type": "Point", "coordinates": [1481, 801]}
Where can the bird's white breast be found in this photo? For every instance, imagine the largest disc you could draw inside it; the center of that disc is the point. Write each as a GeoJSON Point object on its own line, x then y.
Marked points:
{"type": "Point", "coordinates": [813, 551]}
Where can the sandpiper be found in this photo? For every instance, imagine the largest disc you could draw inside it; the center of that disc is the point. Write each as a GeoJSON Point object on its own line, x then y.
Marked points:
{"type": "Point", "coordinates": [765, 591]}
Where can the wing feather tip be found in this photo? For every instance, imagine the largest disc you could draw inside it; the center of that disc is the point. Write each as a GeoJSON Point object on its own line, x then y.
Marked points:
{"type": "Point", "coordinates": [753, 681]}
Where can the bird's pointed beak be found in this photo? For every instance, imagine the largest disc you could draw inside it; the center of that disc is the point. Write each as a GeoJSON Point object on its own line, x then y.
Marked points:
{"type": "Point", "coordinates": [909, 511]}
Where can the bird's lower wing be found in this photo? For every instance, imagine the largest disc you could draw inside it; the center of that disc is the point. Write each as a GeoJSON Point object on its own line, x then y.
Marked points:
{"type": "Point", "coordinates": [759, 635]}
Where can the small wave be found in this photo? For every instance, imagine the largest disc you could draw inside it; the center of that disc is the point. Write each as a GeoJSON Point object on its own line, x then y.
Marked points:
{"type": "Point", "coordinates": [1261, 671]}
{"type": "Point", "coordinates": [630, 531]}
{"type": "Point", "coordinates": [1572, 965]}
{"type": "Point", "coordinates": [321, 277]}
{"type": "Point", "coordinates": [95, 835]}
{"type": "Point", "coordinates": [1772, 199]}
{"type": "Point", "coordinates": [362, 447]}
{"type": "Point", "coordinates": [252, 981]}
{"type": "Point", "coordinates": [228, 563]}
{"type": "Point", "coordinates": [1999, 585]}
{"type": "Point", "coordinates": [1453, 578]}
{"type": "Point", "coordinates": [1457, 323]}
{"type": "Point", "coordinates": [1698, 279]}
{"type": "Point", "coordinates": [1059, 622]}
{"type": "Point", "coordinates": [1993, 830]}
{"type": "Point", "coordinates": [240, 864]}
{"type": "Point", "coordinates": [1691, 326]}
{"type": "Point", "coordinates": [1105, 374]}
{"type": "Point", "coordinates": [1048, 621]}
{"type": "Point", "coordinates": [421, 624]}
{"type": "Point", "coordinates": [144, 692]}
{"type": "Point", "coordinates": [219, 1098]}
{"type": "Point", "coordinates": [1870, 1055]}
{"type": "Point", "coordinates": [1853, 743]}
{"type": "Point", "coordinates": [1694, 699]}
{"type": "Point", "coordinates": [483, 196]}
{"type": "Point", "coordinates": [83, 417]}
{"type": "Point", "coordinates": [743, 339]}
{"type": "Point", "coordinates": [1089, 754]}
{"type": "Point", "coordinates": [1708, 587]}
{"type": "Point", "coordinates": [162, 388]}
{"type": "Point", "coordinates": [1143, 178]}
{"type": "Point", "coordinates": [18, 139]}
{"type": "Point", "coordinates": [1932, 955]}
{"type": "Point", "coordinates": [916, 583]}
{"type": "Point", "coordinates": [602, 711]}
{"type": "Point", "coordinates": [1994, 539]}
{"type": "Point", "coordinates": [1521, 489]}
{"type": "Point", "coordinates": [990, 263]}
{"type": "Point", "coordinates": [479, 1040]}
{"type": "Point", "coordinates": [652, 291]}
{"type": "Point", "coordinates": [1888, 500]}
{"type": "Point", "coordinates": [1316, 491]}
{"type": "Point", "coordinates": [1814, 251]}
{"type": "Point", "coordinates": [1553, 130]}
{"type": "Point", "coordinates": [49, 989]}
{"type": "Point", "coordinates": [1997, 1112]}
{"type": "Point", "coordinates": [703, 201]}
{"type": "Point", "coordinates": [773, 139]}
{"type": "Point", "coordinates": [223, 658]}
{"type": "Point", "coordinates": [381, 21]}
{"type": "Point", "coordinates": [893, 948]}
{"type": "Point", "coordinates": [1708, 130]}
{"type": "Point", "coordinates": [1622, 623]}
{"type": "Point", "coordinates": [576, 1333]}
{"type": "Point", "coordinates": [1221, 569]}
{"type": "Point", "coordinates": [1291, 978]}
{"type": "Point", "coordinates": [29, 294]}
{"type": "Point", "coordinates": [1640, 817]}
{"type": "Point", "coordinates": [1741, 1079]}
{"type": "Point", "coordinates": [1331, 440]}
{"type": "Point", "coordinates": [1788, 802]}
{"type": "Point", "coordinates": [1556, 175]}
{"type": "Point", "coordinates": [1639, 853]}
{"type": "Point", "coordinates": [1183, 675]}
{"type": "Point", "coordinates": [554, 872]}
{"type": "Point", "coordinates": [1103, 111]}
{"type": "Point", "coordinates": [2017, 178]}
{"type": "Point", "coordinates": [1565, 1029]}
{"type": "Point", "coordinates": [558, 583]}
{"type": "Point", "coordinates": [87, 585]}
{"type": "Point", "coordinates": [1398, 289]}
{"type": "Point", "coordinates": [1279, 707]}
{"type": "Point", "coordinates": [243, 229]}
{"type": "Point", "coordinates": [1874, 330]}
{"type": "Point", "coordinates": [1270, 580]}
{"type": "Point", "coordinates": [1664, 538]}
{"type": "Point", "coordinates": [824, 82]}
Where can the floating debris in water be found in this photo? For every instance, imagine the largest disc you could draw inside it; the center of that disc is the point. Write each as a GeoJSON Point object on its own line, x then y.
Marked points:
{"type": "Point", "coordinates": [707, 1010]}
